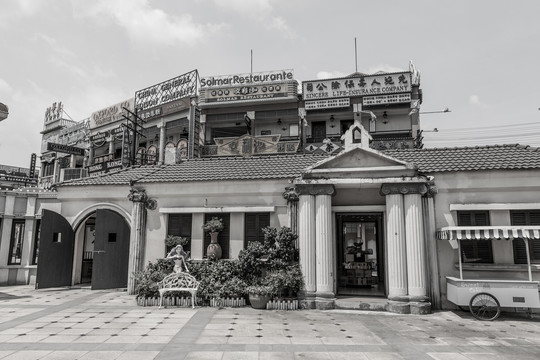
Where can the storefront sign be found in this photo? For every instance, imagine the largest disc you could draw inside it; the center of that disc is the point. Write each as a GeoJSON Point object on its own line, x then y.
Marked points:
{"type": "Point", "coordinates": [247, 79]}
{"type": "Point", "coordinates": [254, 145]}
{"type": "Point", "coordinates": [99, 138]}
{"type": "Point", "coordinates": [168, 91]}
{"type": "Point", "coordinates": [66, 149]}
{"type": "Point", "coordinates": [111, 114]}
{"type": "Point", "coordinates": [54, 112]}
{"type": "Point", "coordinates": [327, 104]}
{"type": "Point", "coordinates": [386, 99]}
{"type": "Point", "coordinates": [103, 167]}
{"type": "Point", "coordinates": [244, 93]}
{"type": "Point", "coordinates": [357, 86]}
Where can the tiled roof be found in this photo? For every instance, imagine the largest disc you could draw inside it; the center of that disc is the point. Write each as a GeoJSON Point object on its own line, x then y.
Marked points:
{"type": "Point", "coordinates": [209, 169]}
{"type": "Point", "coordinates": [492, 157]}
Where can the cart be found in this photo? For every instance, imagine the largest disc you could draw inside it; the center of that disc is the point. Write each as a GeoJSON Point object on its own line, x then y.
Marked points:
{"type": "Point", "coordinates": [485, 297]}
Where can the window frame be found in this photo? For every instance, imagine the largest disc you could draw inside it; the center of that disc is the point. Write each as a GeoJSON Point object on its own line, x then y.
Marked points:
{"type": "Point", "coordinates": [263, 217]}
{"type": "Point", "coordinates": [35, 251]}
{"type": "Point", "coordinates": [16, 242]}
{"type": "Point", "coordinates": [529, 218]}
{"type": "Point", "coordinates": [475, 248]}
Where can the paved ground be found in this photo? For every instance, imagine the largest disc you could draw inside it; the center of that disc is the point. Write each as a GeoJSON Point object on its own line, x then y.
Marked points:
{"type": "Point", "coordinates": [85, 324]}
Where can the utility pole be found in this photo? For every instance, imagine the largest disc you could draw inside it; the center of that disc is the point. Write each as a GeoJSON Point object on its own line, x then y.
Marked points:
{"type": "Point", "coordinates": [133, 157]}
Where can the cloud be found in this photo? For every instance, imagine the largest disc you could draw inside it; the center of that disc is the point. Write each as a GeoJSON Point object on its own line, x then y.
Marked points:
{"type": "Point", "coordinates": [5, 88]}
{"type": "Point", "coordinates": [146, 24]}
{"type": "Point", "coordinates": [330, 74]}
{"type": "Point", "coordinates": [475, 100]}
{"type": "Point", "coordinates": [384, 68]}
{"type": "Point", "coordinates": [13, 11]}
{"type": "Point", "coordinates": [260, 12]}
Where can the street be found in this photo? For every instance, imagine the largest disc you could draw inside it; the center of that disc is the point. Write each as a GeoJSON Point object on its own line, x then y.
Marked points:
{"type": "Point", "coordinates": [84, 324]}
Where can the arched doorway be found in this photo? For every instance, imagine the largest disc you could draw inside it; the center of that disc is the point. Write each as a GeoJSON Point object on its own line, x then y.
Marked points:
{"type": "Point", "coordinates": [99, 247]}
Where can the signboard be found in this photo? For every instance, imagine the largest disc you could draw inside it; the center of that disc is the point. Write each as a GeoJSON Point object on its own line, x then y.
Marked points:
{"type": "Point", "coordinates": [166, 109]}
{"type": "Point", "coordinates": [247, 79]}
{"type": "Point", "coordinates": [247, 145]}
{"type": "Point", "coordinates": [386, 99]}
{"type": "Point", "coordinates": [244, 93]}
{"type": "Point", "coordinates": [168, 91]}
{"type": "Point", "coordinates": [111, 114]}
{"type": "Point", "coordinates": [357, 86]}
{"type": "Point", "coordinates": [99, 139]}
{"type": "Point", "coordinates": [66, 149]}
{"type": "Point", "coordinates": [97, 169]}
{"type": "Point", "coordinates": [327, 104]}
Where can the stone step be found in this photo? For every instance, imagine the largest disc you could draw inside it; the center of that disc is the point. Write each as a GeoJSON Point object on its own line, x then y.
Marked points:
{"type": "Point", "coordinates": [383, 304]}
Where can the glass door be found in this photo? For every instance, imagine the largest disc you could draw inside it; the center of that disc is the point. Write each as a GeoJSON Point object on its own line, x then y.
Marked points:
{"type": "Point", "coordinates": [360, 255]}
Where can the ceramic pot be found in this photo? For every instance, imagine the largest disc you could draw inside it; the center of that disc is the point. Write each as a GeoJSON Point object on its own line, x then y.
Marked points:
{"type": "Point", "coordinates": [259, 301]}
{"type": "Point", "coordinates": [214, 248]}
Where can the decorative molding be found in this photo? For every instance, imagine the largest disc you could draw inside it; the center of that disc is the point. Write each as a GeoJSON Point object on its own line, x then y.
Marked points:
{"type": "Point", "coordinates": [404, 189]}
{"type": "Point", "coordinates": [214, 209]}
{"type": "Point", "coordinates": [315, 189]}
{"type": "Point", "coordinates": [137, 194]}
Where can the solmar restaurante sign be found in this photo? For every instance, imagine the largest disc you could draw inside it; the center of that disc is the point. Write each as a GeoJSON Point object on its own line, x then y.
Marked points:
{"type": "Point", "coordinates": [248, 79]}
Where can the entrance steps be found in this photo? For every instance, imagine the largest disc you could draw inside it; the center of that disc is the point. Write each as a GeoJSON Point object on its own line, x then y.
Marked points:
{"type": "Point", "coordinates": [382, 304]}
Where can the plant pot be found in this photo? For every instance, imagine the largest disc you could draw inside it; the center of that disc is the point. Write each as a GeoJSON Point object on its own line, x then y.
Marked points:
{"type": "Point", "coordinates": [214, 248]}
{"type": "Point", "coordinates": [259, 301]}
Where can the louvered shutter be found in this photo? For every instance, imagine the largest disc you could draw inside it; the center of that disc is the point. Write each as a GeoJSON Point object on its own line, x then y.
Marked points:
{"type": "Point", "coordinates": [180, 225]}
{"type": "Point", "coordinates": [474, 250]}
{"type": "Point", "coordinates": [522, 218]}
{"type": "Point", "coordinates": [254, 224]}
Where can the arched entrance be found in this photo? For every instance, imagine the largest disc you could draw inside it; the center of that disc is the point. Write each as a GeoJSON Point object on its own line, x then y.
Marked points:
{"type": "Point", "coordinates": [101, 255]}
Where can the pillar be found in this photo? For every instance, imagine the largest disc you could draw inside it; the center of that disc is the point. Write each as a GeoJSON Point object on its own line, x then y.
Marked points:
{"type": "Point", "coordinates": [5, 236]}
{"type": "Point", "coordinates": [291, 196]}
{"type": "Point", "coordinates": [434, 288]}
{"type": "Point", "coordinates": [416, 252]}
{"type": "Point", "coordinates": [306, 242]}
{"type": "Point", "coordinates": [162, 135]}
{"type": "Point", "coordinates": [397, 261]}
{"type": "Point", "coordinates": [137, 242]}
{"type": "Point", "coordinates": [324, 251]}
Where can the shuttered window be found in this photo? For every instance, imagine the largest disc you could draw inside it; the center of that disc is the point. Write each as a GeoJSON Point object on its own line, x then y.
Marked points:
{"type": "Point", "coordinates": [475, 251]}
{"type": "Point", "coordinates": [254, 223]}
{"type": "Point", "coordinates": [523, 218]}
{"type": "Point", "coordinates": [16, 244]}
{"type": "Point", "coordinates": [180, 225]}
{"type": "Point", "coordinates": [224, 236]}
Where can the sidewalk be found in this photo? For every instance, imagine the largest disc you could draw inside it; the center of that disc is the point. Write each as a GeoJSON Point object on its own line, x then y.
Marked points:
{"type": "Point", "coordinates": [84, 324]}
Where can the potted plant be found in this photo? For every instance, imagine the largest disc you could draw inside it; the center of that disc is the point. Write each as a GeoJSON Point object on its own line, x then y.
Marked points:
{"type": "Point", "coordinates": [172, 241]}
{"type": "Point", "coordinates": [260, 295]}
{"type": "Point", "coordinates": [213, 227]}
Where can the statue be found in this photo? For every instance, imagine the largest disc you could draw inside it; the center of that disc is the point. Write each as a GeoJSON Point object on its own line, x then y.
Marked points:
{"type": "Point", "coordinates": [178, 256]}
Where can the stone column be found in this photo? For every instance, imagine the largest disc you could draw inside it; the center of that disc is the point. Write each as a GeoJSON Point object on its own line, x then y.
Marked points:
{"type": "Point", "coordinates": [291, 196]}
{"type": "Point", "coordinates": [431, 246]}
{"type": "Point", "coordinates": [395, 237]}
{"type": "Point", "coordinates": [416, 252]}
{"type": "Point", "coordinates": [137, 241]}
{"type": "Point", "coordinates": [306, 242]}
{"type": "Point", "coordinates": [324, 250]}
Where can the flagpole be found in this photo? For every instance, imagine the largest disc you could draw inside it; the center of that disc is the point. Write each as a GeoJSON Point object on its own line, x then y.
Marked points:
{"type": "Point", "coordinates": [355, 55]}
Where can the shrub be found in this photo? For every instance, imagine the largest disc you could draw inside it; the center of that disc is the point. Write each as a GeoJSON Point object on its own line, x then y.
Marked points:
{"type": "Point", "coordinates": [147, 280]}
{"type": "Point", "coordinates": [213, 225]}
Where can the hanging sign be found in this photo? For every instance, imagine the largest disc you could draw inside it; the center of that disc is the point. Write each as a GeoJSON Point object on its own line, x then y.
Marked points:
{"type": "Point", "coordinates": [66, 149]}
{"type": "Point", "coordinates": [386, 99]}
{"type": "Point", "coordinates": [99, 139]}
{"type": "Point", "coordinates": [328, 103]}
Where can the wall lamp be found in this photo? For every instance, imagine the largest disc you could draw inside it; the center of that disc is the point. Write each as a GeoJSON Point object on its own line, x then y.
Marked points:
{"type": "Point", "coordinates": [385, 118]}
{"type": "Point", "coordinates": [279, 121]}
{"type": "Point", "coordinates": [332, 124]}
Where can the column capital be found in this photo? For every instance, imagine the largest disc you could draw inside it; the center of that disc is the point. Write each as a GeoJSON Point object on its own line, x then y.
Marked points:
{"type": "Point", "coordinates": [315, 189]}
{"type": "Point", "coordinates": [291, 194]}
{"type": "Point", "coordinates": [403, 188]}
{"type": "Point", "coordinates": [138, 195]}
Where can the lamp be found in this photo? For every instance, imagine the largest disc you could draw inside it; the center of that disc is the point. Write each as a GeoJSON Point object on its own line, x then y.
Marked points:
{"type": "Point", "coordinates": [279, 121]}
{"type": "Point", "coordinates": [332, 121]}
{"type": "Point", "coordinates": [385, 118]}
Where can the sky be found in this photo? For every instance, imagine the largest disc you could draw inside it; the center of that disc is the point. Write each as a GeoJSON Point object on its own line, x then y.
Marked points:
{"type": "Point", "coordinates": [480, 59]}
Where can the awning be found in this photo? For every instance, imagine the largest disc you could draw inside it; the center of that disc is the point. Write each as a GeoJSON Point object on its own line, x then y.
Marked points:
{"type": "Point", "coordinates": [488, 232]}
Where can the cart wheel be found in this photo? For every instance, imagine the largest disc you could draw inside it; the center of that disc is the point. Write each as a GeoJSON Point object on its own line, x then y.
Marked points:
{"type": "Point", "coordinates": [484, 306]}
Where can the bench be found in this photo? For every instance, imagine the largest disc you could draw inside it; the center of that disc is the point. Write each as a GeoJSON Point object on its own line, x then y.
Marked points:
{"type": "Point", "coordinates": [180, 281]}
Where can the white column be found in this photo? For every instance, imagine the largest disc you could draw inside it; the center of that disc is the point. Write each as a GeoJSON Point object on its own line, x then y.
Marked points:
{"type": "Point", "coordinates": [306, 240]}
{"type": "Point", "coordinates": [137, 239]}
{"type": "Point", "coordinates": [5, 236]}
{"type": "Point", "coordinates": [431, 248]}
{"type": "Point", "coordinates": [323, 246]}
{"type": "Point", "coordinates": [416, 252]}
{"type": "Point", "coordinates": [162, 135]}
{"type": "Point", "coordinates": [395, 235]}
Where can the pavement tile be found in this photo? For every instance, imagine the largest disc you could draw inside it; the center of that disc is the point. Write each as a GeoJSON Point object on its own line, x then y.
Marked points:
{"type": "Point", "coordinates": [64, 355]}
{"type": "Point", "coordinates": [101, 355]}
{"type": "Point", "coordinates": [138, 355]}
{"type": "Point", "coordinates": [204, 355]}
{"type": "Point", "coordinates": [27, 355]}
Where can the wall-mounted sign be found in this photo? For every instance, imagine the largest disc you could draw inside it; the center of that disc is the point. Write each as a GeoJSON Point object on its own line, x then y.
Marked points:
{"type": "Point", "coordinates": [103, 167]}
{"type": "Point", "coordinates": [245, 93]}
{"type": "Point", "coordinates": [99, 139]}
{"type": "Point", "coordinates": [248, 79]}
{"type": "Point", "coordinates": [66, 149]}
{"type": "Point", "coordinates": [165, 92]}
{"type": "Point", "coordinates": [328, 103]}
{"type": "Point", "coordinates": [386, 99]}
{"type": "Point", "coordinates": [166, 109]}
{"type": "Point", "coordinates": [357, 86]}
{"type": "Point", "coordinates": [54, 112]}
{"type": "Point", "coordinates": [111, 114]}
{"type": "Point", "coordinates": [248, 145]}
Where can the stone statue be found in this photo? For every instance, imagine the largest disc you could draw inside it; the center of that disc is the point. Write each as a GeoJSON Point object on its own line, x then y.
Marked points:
{"type": "Point", "coordinates": [178, 256]}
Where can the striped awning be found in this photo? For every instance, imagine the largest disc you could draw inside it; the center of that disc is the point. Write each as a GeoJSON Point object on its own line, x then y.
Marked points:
{"type": "Point", "coordinates": [488, 232]}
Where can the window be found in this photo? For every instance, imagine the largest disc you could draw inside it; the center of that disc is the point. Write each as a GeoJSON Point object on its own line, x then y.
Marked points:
{"type": "Point", "coordinates": [224, 236]}
{"type": "Point", "coordinates": [254, 223]}
{"type": "Point", "coordinates": [528, 217]}
{"type": "Point", "coordinates": [15, 247]}
{"type": "Point", "coordinates": [475, 251]}
{"type": "Point", "coordinates": [180, 225]}
{"type": "Point", "coordinates": [36, 242]}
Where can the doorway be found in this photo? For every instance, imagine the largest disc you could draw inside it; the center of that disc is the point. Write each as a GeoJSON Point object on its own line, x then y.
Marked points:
{"type": "Point", "coordinates": [360, 255]}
